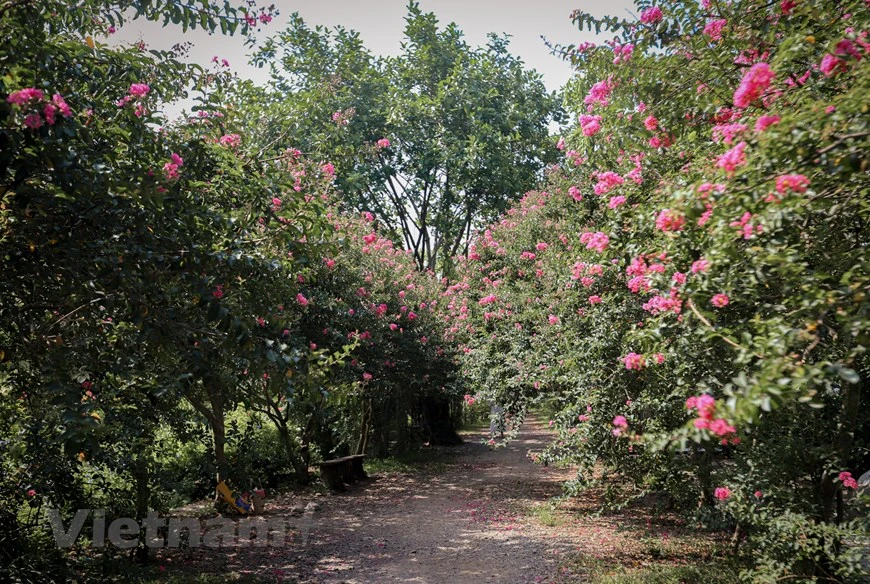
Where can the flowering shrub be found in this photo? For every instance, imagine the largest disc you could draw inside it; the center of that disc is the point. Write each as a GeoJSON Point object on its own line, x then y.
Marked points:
{"type": "Point", "coordinates": [735, 255]}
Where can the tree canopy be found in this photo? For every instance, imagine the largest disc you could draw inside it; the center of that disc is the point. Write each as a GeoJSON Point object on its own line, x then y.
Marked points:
{"type": "Point", "coordinates": [434, 141]}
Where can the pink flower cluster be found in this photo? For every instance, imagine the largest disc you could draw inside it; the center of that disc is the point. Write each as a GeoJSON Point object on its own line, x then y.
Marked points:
{"type": "Point", "coordinates": [706, 407]}
{"type": "Point", "coordinates": [722, 493]}
{"type": "Point", "coordinates": [720, 300]}
{"type": "Point", "coordinates": [725, 133]}
{"type": "Point", "coordinates": [764, 122]}
{"type": "Point", "coordinates": [713, 29]}
{"type": "Point", "coordinates": [634, 361]}
{"type": "Point", "coordinates": [607, 181]}
{"type": "Point", "coordinates": [651, 15]}
{"type": "Point", "coordinates": [230, 140]}
{"type": "Point", "coordinates": [597, 241]}
{"type": "Point", "coordinates": [589, 124]}
{"type": "Point", "coordinates": [754, 83]}
{"type": "Point", "coordinates": [669, 220]}
{"type": "Point", "coordinates": [847, 480]}
{"type": "Point", "coordinates": [575, 193]}
{"type": "Point", "coordinates": [136, 93]}
{"type": "Point", "coordinates": [796, 183]}
{"type": "Point", "coordinates": [745, 226]}
{"type": "Point", "coordinates": [733, 158]}
{"type": "Point", "coordinates": [170, 169]}
{"type": "Point", "coordinates": [31, 99]}
{"type": "Point", "coordinates": [659, 303]}
{"type": "Point", "coordinates": [599, 93]}
{"type": "Point", "coordinates": [620, 424]}
{"type": "Point", "coordinates": [383, 143]}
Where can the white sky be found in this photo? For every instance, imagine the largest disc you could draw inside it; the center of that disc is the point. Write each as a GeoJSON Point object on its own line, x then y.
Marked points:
{"type": "Point", "coordinates": [381, 25]}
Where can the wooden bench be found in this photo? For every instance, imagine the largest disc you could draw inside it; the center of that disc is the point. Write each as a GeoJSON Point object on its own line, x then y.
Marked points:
{"type": "Point", "coordinates": [348, 469]}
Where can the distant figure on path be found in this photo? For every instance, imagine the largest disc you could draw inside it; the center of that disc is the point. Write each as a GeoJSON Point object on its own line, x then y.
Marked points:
{"type": "Point", "coordinates": [496, 421]}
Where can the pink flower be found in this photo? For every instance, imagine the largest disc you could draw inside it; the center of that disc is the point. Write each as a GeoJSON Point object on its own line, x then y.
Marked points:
{"type": "Point", "coordinates": [487, 300]}
{"type": "Point", "coordinates": [599, 93]}
{"type": "Point", "coordinates": [328, 169]}
{"type": "Point", "coordinates": [831, 65]}
{"type": "Point", "coordinates": [659, 358]}
{"type": "Point", "coordinates": [733, 158]}
{"type": "Point", "coordinates": [261, 321]}
{"type": "Point", "coordinates": [655, 142]}
{"type": "Point", "coordinates": [669, 220]}
{"type": "Point", "coordinates": [758, 494]}
{"type": "Point", "coordinates": [701, 265]}
{"type": "Point", "coordinates": [754, 83]}
{"type": "Point", "coordinates": [31, 493]}
{"type": "Point", "coordinates": [33, 121]}
{"type": "Point", "coordinates": [553, 319]}
{"type": "Point", "coordinates": [714, 28]}
{"type": "Point", "coordinates": [230, 140]}
{"type": "Point", "coordinates": [560, 144]}
{"type": "Point", "coordinates": [764, 122]}
{"type": "Point", "coordinates": [218, 291]}
{"type": "Point", "coordinates": [541, 246]}
{"type": "Point", "coordinates": [786, 6]}
{"type": "Point", "coordinates": [575, 193]}
{"type": "Point", "coordinates": [607, 181]}
{"type": "Point", "coordinates": [634, 361]}
{"type": "Point", "coordinates": [616, 201]}
{"type": "Point", "coordinates": [720, 300]}
{"type": "Point", "coordinates": [23, 97]}
{"type": "Point", "coordinates": [722, 493]}
{"type": "Point", "coordinates": [651, 123]}
{"type": "Point", "coordinates": [139, 89]}
{"type": "Point", "coordinates": [597, 241]}
{"type": "Point", "coordinates": [301, 299]}
{"type": "Point", "coordinates": [590, 125]}
{"type": "Point", "coordinates": [367, 376]}
{"type": "Point", "coordinates": [725, 132]}
{"type": "Point", "coordinates": [595, 299]}
{"type": "Point", "coordinates": [383, 143]}
{"type": "Point", "coordinates": [59, 102]}
{"type": "Point", "coordinates": [848, 481]}
{"type": "Point", "coordinates": [651, 15]}
{"type": "Point", "coordinates": [797, 183]}
{"type": "Point", "coordinates": [620, 422]}
{"type": "Point", "coordinates": [721, 428]}
{"type": "Point", "coordinates": [469, 400]}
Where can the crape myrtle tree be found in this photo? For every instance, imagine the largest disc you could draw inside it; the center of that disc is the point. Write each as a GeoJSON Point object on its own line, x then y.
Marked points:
{"type": "Point", "coordinates": [433, 142]}
{"type": "Point", "coordinates": [689, 292]}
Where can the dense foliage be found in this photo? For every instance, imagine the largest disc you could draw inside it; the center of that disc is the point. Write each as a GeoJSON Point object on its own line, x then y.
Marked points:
{"type": "Point", "coordinates": [177, 308]}
{"type": "Point", "coordinates": [689, 292]}
{"type": "Point", "coordinates": [225, 296]}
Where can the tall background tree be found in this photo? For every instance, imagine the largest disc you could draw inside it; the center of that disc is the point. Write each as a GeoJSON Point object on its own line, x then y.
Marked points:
{"type": "Point", "coordinates": [435, 141]}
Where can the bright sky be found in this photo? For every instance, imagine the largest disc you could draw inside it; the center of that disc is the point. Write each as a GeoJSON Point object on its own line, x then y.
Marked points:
{"type": "Point", "coordinates": [381, 24]}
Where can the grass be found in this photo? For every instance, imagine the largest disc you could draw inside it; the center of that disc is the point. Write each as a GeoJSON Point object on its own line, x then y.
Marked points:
{"type": "Point", "coordinates": [714, 571]}
{"type": "Point", "coordinates": [547, 514]}
{"type": "Point", "coordinates": [412, 461]}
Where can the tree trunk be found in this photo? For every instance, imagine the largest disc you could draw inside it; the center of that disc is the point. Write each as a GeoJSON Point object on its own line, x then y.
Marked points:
{"type": "Point", "coordinates": [140, 472]}
{"type": "Point", "coordinates": [845, 438]}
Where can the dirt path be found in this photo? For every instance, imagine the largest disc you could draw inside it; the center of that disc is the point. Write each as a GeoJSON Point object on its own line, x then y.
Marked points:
{"type": "Point", "coordinates": [468, 517]}
{"type": "Point", "coordinates": [467, 523]}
